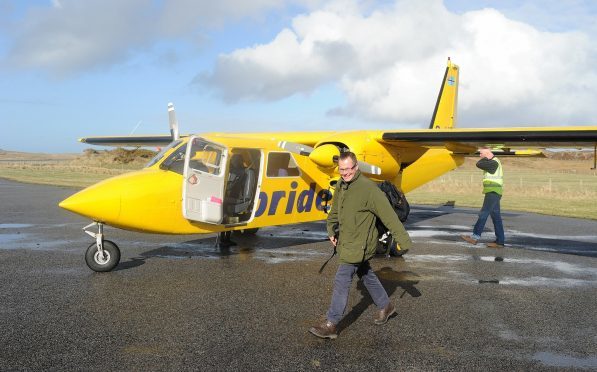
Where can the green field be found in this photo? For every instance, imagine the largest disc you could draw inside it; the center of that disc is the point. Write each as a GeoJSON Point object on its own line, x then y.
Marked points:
{"type": "Point", "coordinates": [548, 186]}
{"type": "Point", "coordinates": [75, 170]}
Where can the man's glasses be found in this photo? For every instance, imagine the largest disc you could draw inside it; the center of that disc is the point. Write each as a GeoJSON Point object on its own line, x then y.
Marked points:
{"type": "Point", "coordinates": [341, 170]}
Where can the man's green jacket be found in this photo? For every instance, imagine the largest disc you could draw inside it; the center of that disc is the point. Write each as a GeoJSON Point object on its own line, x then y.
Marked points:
{"type": "Point", "coordinates": [354, 209]}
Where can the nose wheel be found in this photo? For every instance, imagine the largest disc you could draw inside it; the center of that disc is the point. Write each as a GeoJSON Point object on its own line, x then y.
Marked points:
{"type": "Point", "coordinates": [103, 255]}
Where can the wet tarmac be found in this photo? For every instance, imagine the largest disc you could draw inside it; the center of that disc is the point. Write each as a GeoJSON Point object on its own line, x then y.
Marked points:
{"type": "Point", "coordinates": [180, 303]}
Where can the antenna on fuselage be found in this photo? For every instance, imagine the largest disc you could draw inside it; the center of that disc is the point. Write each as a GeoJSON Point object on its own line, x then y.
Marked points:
{"type": "Point", "coordinates": [173, 122]}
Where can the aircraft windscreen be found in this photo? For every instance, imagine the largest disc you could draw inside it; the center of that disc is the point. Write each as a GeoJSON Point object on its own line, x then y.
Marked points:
{"type": "Point", "coordinates": [160, 154]}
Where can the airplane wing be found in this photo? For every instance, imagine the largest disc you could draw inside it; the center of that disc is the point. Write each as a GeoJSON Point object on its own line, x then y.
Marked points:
{"type": "Point", "coordinates": [133, 141]}
{"type": "Point", "coordinates": [303, 138]}
{"type": "Point", "coordinates": [469, 140]}
{"type": "Point", "coordinates": [140, 140]}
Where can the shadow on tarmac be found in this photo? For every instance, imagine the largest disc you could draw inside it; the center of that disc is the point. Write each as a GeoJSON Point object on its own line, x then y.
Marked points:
{"type": "Point", "coordinates": [245, 245]}
{"type": "Point", "coordinates": [391, 281]}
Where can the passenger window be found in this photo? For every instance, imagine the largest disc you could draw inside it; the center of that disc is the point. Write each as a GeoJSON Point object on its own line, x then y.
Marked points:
{"type": "Point", "coordinates": [281, 164]}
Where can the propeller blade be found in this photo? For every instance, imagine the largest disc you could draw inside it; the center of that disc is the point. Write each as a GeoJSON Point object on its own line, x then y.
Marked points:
{"type": "Point", "coordinates": [296, 148]}
{"type": "Point", "coordinates": [369, 168]}
{"type": "Point", "coordinates": [173, 122]}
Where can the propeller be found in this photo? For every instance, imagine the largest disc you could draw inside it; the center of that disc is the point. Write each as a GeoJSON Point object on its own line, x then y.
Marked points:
{"type": "Point", "coordinates": [326, 156]}
{"type": "Point", "coordinates": [173, 122]}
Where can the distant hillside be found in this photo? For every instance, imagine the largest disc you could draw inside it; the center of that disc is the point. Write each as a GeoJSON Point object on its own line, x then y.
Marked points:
{"type": "Point", "coordinates": [88, 157]}
{"type": "Point", "coordinates": [116, 156]}
{"type": "Point", "coordinates": [570, 155]}
{"type": "Point", "coordinates": [16, 155]}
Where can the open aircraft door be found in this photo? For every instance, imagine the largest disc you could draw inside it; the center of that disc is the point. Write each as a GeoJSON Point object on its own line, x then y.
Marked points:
{"type": "Point", "coordinates": [204, 181]}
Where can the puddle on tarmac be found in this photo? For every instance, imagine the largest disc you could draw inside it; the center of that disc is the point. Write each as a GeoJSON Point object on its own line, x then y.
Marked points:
{"type": "Point", "coordinates": [27, 241]}
{"type": "Point", "coordinates": [561, 266]}
{"type": "Point", "coordinates": [438, 258]}
{"type": "Point", "coordinates": [589, 274]}
{"type": "Point", "coordinates": [540, 281]}
{"type": "Point", "coordinates": [6, 239]}
{"type": "Point", "coordinates": [559, 360]}
{"type": "Point", "coordinates": [208, 251]}
{"type": "Point", "coordinates": [14, 225]}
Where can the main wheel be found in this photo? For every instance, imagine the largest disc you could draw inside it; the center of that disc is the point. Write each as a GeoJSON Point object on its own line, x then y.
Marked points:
{"type": "Point", "coordinates": [106, 262]}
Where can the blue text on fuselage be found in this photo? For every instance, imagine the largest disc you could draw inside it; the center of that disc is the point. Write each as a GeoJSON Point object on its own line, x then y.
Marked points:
{"type": "Point", "coordinates": [303, 202]}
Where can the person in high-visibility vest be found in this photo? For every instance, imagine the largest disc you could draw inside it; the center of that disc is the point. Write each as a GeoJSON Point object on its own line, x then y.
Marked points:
{"type": "Point", "coordinates": [493, 185]}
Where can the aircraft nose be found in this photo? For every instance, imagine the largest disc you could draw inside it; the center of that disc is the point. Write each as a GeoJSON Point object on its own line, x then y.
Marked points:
{"type": "Point", "coordinates": [100, 202]}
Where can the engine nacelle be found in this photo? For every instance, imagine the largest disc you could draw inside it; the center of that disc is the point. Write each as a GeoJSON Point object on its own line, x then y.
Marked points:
{"type": "Point", "coordinates": [366, 148]}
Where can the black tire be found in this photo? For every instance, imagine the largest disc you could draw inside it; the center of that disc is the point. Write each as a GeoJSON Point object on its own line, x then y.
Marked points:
{"type": "Point", "coordinates": [108, 262]}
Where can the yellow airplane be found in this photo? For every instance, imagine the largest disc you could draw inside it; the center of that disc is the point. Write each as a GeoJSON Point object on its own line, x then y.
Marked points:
{"type": "Point", "coordinates": [220, 182]}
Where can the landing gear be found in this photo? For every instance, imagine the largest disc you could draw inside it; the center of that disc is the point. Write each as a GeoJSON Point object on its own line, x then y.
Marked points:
{"type": "Point", "coordinates": [102, 260]}
{"type": "Point", "coordinates": [249, 231]}
{"type": "Point", "coordinates": [223, 240]}
{"type": "Point", "coordinates": [103, 255]}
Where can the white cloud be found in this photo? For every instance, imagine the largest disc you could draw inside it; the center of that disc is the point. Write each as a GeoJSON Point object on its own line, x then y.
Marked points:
{"type": "Point", "coordinates": [182, 16]}
{"type": "Point", "coordinates": [70, 36]}
{"type": "Point", "coordinates": [389, 63]}
{"type": "Point", "coordinates": [75, 35]}
{"type": "Point", "coordinates": [386, 58]}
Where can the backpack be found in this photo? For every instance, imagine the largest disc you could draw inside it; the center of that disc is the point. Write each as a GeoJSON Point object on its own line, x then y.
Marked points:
{"type": "Point", "coordinates": [398, 202]}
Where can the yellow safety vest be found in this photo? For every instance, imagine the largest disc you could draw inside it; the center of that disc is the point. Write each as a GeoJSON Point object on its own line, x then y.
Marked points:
{"type": "Point", "coordinates": [494, 182]}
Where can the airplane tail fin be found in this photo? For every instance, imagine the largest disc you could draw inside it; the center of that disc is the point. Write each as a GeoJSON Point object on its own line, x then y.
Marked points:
{"type": "Point", "coordinates": [444, 114]}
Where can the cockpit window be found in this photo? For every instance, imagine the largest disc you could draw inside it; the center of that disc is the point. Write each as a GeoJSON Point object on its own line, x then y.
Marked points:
{"type": "Point", "coordinates": [205, 157]}
{"type": "Point", "coordinates": [175, 161]}
{"type": "Point", "coordinates": [160, 154]}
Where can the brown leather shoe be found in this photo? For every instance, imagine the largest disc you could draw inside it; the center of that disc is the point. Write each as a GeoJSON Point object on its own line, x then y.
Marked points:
{"type": "Point", "coordinates": [468, 239]}
{"type": "Point", "coordinates": [384, 314]}
{"type": "Point", "coordinates": [325, 330]}
{"type": "Point", "coordinates": [494, 245]}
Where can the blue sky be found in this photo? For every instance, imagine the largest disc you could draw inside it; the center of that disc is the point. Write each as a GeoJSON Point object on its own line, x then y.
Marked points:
{"type": "Point", "coordinates": [71, 68]}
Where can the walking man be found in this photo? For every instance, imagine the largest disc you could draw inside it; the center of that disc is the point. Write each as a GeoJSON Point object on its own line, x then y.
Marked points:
{"type": "Point", "coordinates": [356, 204]}
{"type": "Point", "coordinates": [493, 183]}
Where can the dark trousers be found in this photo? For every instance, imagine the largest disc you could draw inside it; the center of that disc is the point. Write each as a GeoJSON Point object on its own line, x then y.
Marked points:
{"type": "Point", "coordinates": [491, 207]}
{"type": "Point", "coordinates": [342, 284]}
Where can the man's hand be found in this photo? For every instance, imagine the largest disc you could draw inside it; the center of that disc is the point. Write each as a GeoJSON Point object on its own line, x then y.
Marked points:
{"type": "Point", "coordinates": [485, 153]}
{"type": "Point", "coordinates": [333, 240]}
